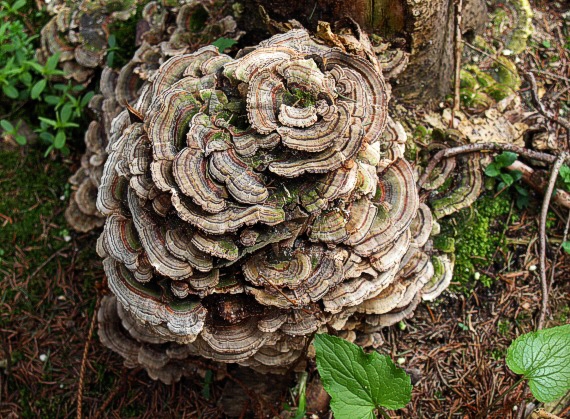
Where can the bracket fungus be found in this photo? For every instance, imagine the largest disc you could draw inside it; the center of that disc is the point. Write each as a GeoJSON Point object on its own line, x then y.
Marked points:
{"type": "Point", "coordinates": [251, 202]}
{"type": "Point", "coordinates": [163, 32]}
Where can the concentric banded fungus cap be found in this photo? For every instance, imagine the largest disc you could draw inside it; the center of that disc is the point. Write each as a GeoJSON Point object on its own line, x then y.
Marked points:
{"type": "Point", "coordinates": [78, 34]}
{"type": "Point", "coordinates": [163, 32]}
{"type": "Point", "coordinates": [254, 201]}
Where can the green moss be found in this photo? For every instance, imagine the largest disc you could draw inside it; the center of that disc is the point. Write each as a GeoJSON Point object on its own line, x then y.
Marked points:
{"type": "Point", "coordinates": [476, 235]}
{"type": "Point", "coordinates": [523, 26]}
{"type": "Point", "coordinates": [444, 243]}
{"type": "Point", "coordinates": [31, 188]}
{"type": "Point", "coordinates": [299, 98]}
{"type": "Point", "coordinates": [506, 73]}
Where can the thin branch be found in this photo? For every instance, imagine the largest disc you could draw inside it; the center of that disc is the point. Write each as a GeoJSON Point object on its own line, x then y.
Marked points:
{"type": "Point", "coordinates": [563, 122]}
{"type": "Point", "coordinates": [542, 236]}
{"type": "Point", "coordinates": [539, 184]}
{"type": "Point", "coordinates": [458, 49]}
{"type": "Point", "coordinates": [471, 148]}
{"type": "Point", "coordinates": [84, 360]}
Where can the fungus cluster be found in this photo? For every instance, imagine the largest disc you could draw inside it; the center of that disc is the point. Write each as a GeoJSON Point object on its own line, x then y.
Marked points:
{"type": "Point", "coordinates": [251, 202]}
{"type": "Point", "coordinates": [78, 34]}
{"type": "Point", "coordinates": [163, 32]}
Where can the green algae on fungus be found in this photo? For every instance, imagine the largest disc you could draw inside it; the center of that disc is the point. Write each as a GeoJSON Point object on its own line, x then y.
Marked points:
{"type": "Point", "coordinates": [512, 25]}
{"type": "Point", "coordinates": [481, 89]}
{"type": "Point", "coordinates": [475, 233]}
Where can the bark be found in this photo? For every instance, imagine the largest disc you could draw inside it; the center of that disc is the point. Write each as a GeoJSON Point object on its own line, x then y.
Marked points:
{"type": "Point", "coordinates": [423, 27]}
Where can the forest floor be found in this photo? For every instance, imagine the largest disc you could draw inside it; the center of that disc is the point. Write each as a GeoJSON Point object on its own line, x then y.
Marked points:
{"type": "Point", "coordinates": [51, 281]}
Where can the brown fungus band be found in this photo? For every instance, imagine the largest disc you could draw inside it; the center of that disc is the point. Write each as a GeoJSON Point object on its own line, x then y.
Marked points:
{"type": "Point", "coordinates": [250, 202]}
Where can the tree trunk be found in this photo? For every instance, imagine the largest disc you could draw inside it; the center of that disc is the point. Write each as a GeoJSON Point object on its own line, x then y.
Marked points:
{"type": "Point", "coordinates": [425, 28]}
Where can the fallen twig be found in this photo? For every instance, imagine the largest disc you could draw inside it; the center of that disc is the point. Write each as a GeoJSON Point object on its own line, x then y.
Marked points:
{"type": "Point", "coordinates": [84, 360]}
{"type": "Point", "coordinates": [543, 414]}
{"type": "Point", "coordinates": [471, 148]}
{"type": "Point", "coordinates": [562, 197]}
{"type": "Point", "coordinates": [542, 236]}
{"type": "Point", "coordinates": [540, 106]}
{"type": "Point", "coordinates": [457, 81]}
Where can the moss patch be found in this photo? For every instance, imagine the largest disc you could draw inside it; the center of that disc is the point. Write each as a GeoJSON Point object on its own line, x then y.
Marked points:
{"type": "Point", "coordinates": [31, 211]}
{"type": "Point", "coordinates": [475, 234]}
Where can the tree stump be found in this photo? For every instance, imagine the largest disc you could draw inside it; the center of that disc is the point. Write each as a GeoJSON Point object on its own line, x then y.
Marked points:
{"type": "Point", "coordinates": [424, 28]}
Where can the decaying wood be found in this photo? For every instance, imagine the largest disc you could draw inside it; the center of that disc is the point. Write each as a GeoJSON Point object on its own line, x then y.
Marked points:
{"type": "Point", "coordinates": [529, 176]}
{"type": "Point", "coordinates": [471, 148]}
{"type": "Point", "coordinates": [424, 28]}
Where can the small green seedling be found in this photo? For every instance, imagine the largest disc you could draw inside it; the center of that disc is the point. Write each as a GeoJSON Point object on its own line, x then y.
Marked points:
{"type": "Point", "coordinates": [565, 177]}
{"type": "Point", "coordinates": [507, 178]}
{"type": "Point", "coordinates": [302, 392]}
{"type": "Point", "coordinates": [543, 358]}
{"type": "Point", "coordinates": [359, 383]}
{"type": "Point", "coordinates": [12, 130]}
{"type": "Point", "coordinates": [566, 246]}
{"type": "Point", "coordinates": [207, 385]}
{"type": "Point", "coordinates": [224, 43]}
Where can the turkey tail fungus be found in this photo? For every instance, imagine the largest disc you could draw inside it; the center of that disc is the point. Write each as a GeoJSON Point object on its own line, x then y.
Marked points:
{"type": "Point", "coordinates": [251, 202]}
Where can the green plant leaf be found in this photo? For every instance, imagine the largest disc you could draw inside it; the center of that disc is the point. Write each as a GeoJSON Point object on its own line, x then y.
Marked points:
{"type": "Point", "coordinates": [65, 113]}
{"type": "Point", "coordinates": [522, 201]}
{"type": "Point", "coordinates": [10, 91]}
{"type": "Point", "coordinates": [85, 99]}
{"type": "Point", "coordinates": [59, 140]}
{"type": "Point", "coordinates": [7, 125]}
{"type": "Point", "coordinates": [543, 358]}
{"type": "Point", "coordinates": [521, 190]}
{"type": "Point", "coordinates": [223, 43]}
{"type": "Point", "coordinates": [566, 247]}
{"type": "Point", "coordinates": [51, 100]}
{"type": "Point", "coordinates": [38, 89]}
{"type": "Point", "coordinates": [506, 178]}
{"type": "Point", "coordinates": [20, 139]}
{"type": "Point", "coordinates": [492, 170]}
{"type": "Point", "coordinates": [112, 41]}
{"type": "Point", "coordinates": [26, 78]}
{"type": "Point", "coordinates": [565, 175]}
{"type": "Point", "coordinates": [51, 63]}
{"type": "Point", "coordinates": [36, 66]}
{"type": "Point", "coordinates": [506, 158]}
{"type": "Point", "coordinates": [515, 174]}
{"type": "Point", "coordinates": [358, 383]}
{"type": "Point", "coordinates": [18, 4]}
{"type": "Point", "coordinates": [47, 121]}
{"type": "Point", "coordinates": [110, 58]}
{"type": "Point", "coordinates": [49, 149]}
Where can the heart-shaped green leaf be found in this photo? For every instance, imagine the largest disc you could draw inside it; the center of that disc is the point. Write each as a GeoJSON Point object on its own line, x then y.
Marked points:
{"type": "Point", "coordinates": [358, 383]}
{"type": "Point", "coordinates": [543, 358]}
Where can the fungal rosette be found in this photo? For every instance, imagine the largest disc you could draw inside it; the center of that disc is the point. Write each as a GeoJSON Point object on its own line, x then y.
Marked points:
{"type": "Point", "coordinates": [164, 31]}
{"type": "Point", "coordinates": [251, 202]}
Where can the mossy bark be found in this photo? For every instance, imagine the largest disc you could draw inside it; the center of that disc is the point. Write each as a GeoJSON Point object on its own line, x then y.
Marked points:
{"type": "Point", "coordinates": [423, 27]}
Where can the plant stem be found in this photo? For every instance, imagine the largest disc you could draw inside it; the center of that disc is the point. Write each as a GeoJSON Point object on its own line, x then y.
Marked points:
{"type": "Point", "coordinates": [500, 398]}
{"type": "Point", "coordinates": [383, 413]}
